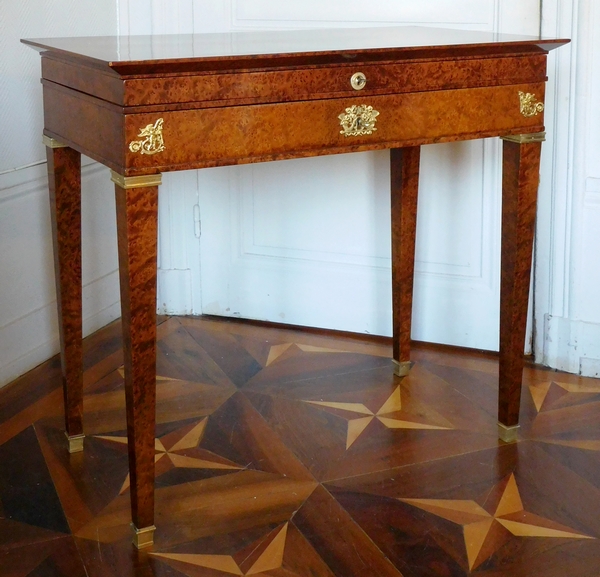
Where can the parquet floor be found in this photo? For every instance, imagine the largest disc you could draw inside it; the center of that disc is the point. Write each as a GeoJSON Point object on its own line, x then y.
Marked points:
{"type": "Point", "coordinates": [286, 453]}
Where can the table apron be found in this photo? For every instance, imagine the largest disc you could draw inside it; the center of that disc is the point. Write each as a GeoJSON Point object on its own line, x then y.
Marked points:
{"type": "Point", "coordinates": [223, 136]}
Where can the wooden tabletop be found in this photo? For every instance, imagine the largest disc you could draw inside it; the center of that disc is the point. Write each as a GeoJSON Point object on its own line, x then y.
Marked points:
{"type": "Point", "coordinates": [145, 53]}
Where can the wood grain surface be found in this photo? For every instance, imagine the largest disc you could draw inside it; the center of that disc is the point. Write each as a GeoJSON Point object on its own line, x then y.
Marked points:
{"type": "Point", "coordinates": [211, 89]}
{"type": "Point", "coordinates": [64, 182]}
{"type": "Point", "coordinates": [520, 180]}
{"type": "Point", "coordinates": [255, 475]}
{"type": "Point", "coordinates": [137, 230]}
{"type": "Point", "coordinates": [404, 196]}
{"type": "Point", "coordinates": [216, 101]}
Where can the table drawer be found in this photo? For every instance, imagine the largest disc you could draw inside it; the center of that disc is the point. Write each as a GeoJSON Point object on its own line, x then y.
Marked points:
{"type": "Point", "coordinates": [205, 89]}
{"type": "Point", "coordinates": [220, 136]}
{"type": "Point", "coordinates": [332, 81]}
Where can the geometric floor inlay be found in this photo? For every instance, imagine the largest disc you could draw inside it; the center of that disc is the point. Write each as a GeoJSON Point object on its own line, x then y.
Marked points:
{"type": "Point", "coordinates": [277, 351]}
{"type": "Point", "coordinates": [557, 394]}
{"type": "Point", "coordinates": [171, 451]}
{"type": "Point", "coordinates": [357, 425]}
{"type": "Point", "coordinates": [261, 556]}
{"type": "Point", "coordinates": [283, 452]}
{"type": "Point", "coordinates": [485, 529]}
{"type": "Point", "coordinates": [586, 445]}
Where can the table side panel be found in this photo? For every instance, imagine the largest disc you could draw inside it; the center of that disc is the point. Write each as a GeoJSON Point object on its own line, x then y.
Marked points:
{"type": "Point", "coordinates": [87, 124]}
{"type": "Point", "coordinates": [312, 83]}
{"type": "Point", "coordinates": [103, 83]}
{"type": "Point", "coordinates": [221, 136]}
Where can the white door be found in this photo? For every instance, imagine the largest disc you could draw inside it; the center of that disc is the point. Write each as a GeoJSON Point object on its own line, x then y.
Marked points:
{"type": "Point", "coordinates": [307, 241]}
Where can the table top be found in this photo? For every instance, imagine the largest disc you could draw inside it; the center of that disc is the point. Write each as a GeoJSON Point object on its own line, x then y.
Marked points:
{"type": "Point", "coordinates": [275, 47]}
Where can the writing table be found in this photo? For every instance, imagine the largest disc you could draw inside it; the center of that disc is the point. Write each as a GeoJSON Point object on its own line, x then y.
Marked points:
{"type": "Point", "coordinates": [143, 105]}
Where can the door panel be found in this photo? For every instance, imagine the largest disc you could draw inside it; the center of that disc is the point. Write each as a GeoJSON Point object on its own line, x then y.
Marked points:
{"type": "Point", "coordinates": [307, 241]}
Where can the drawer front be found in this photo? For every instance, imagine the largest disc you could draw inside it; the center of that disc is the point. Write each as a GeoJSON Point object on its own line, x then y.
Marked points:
{"type": "Point", "coordinates": [332, 81]}
{"type": "Point", "coordinates": [221, 136]}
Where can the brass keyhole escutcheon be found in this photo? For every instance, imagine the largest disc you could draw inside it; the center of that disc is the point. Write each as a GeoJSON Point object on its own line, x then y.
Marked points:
{"type": "Point", "coordinates": [358, 81]}
{"type": "Point", "coordinates": [358, 120]}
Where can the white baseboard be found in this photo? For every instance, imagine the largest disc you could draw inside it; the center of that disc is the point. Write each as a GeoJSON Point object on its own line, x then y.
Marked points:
{"type": "Point", "coordinates": [572, 346]}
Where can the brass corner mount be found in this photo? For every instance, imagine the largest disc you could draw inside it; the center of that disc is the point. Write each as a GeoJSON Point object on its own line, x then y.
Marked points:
{"type": "Point", "coordinates": [152, 141]}
{"type": "Point", "coordinates": [530, 106]}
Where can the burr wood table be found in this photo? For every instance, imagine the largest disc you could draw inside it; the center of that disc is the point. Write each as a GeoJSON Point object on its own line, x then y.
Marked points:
{"type": "Point", "coordinates": [150, 104]}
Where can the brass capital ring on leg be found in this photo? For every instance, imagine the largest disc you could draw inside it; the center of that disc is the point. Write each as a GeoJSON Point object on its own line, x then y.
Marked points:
{"type": "Point", "coordinates": [127, 182]}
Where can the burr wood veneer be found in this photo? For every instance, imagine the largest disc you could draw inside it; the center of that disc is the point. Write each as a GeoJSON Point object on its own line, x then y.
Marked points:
{"type": "Point", "coordinates": [146, 105]}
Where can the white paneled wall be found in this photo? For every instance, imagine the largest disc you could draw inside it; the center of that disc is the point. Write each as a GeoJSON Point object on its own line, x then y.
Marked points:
{"type": "Point", "coordinates": [567, 310]}
{"type": "Point", "coordinates": [567, 315]}
{"type": "Point", "coordinates": [28, 323]}
{"type": "Point", "coordinates": [28, 318]}
{"type": "Point", "coordinates": [20, 93]}
{"type": "Point", "coordinates": [262, 12]}
{"type": "Point", "coordinates": [308, 242]}
{"type": "Point", "coordinates": [179, 289]}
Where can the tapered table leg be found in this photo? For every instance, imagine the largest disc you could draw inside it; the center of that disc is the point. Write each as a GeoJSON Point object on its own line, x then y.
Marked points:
{"type": "Point", "coordinates": [405, 186]}
{"type": "Point", "coordinates": [64, 182]}
{"type": "Point", "coordinates": [137, 228]}
{"type": "Point", "coordinates": [520, 180]}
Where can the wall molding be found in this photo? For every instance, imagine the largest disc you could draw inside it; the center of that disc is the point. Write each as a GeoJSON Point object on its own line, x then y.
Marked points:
{"type": "Point", "coordinates": [30, 336]}
{"type": "Point", "coordinates": [28, 179]}
{"type": "Point", "coordinates": [33, 338]}
{"type": "Point", "coordinates": [252, 13]}
{"type": "Point", "coordinates": [562, 340]}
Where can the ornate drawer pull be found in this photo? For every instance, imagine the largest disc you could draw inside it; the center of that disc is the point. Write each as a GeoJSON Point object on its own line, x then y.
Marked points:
{"type": "Point", "coordinates": [358, 81]}
{"type": "Point", "coordinates": [529, 104]}
{"type": "Point", "coordinates": [153, 139]}
{"type": "Point", "coordinates": [358, 120]}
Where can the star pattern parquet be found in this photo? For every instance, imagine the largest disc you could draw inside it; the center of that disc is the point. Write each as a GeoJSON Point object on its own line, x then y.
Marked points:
{"type": "Point", "coordinates": [286, 453]}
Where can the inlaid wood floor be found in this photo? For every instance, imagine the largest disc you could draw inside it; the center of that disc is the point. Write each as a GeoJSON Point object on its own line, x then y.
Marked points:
{"type": "Point", "coordinates": [287, 453]}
